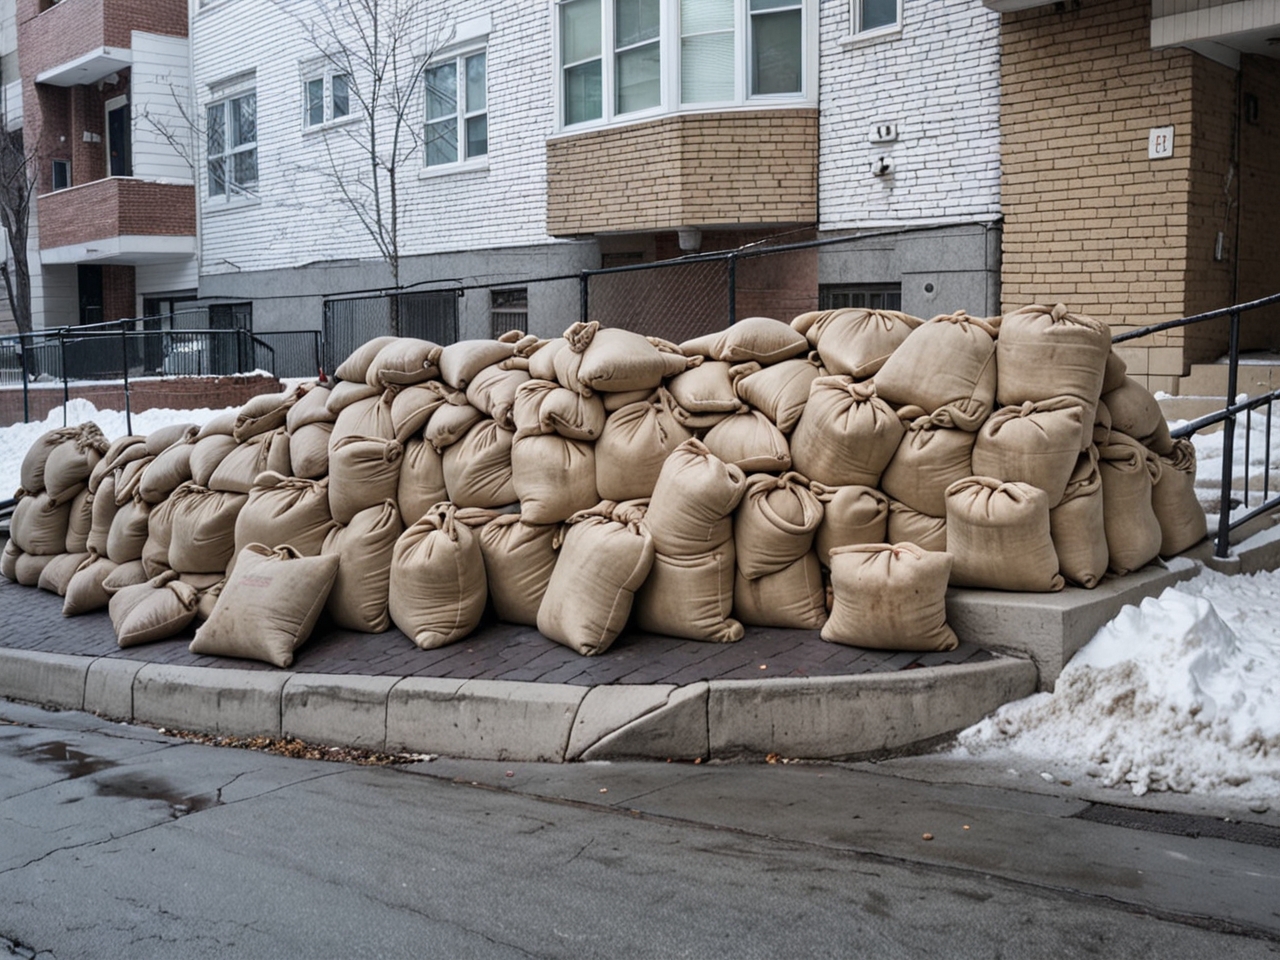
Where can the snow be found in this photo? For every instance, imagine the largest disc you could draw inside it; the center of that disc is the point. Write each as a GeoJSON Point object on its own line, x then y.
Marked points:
{"type": "Point", "coordinates": [1253, 432]}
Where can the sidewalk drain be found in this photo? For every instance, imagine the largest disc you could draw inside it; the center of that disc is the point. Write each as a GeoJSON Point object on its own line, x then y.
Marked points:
{"type": "Point", "coordinates": [1181, 824]}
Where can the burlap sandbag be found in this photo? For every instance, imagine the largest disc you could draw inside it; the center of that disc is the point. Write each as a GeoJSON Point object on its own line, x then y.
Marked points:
{"type": "Point", "coordinates": [1173, 499]}
{"type": "Point", "coordinates": [85, 592]}
{"type": "Point", "coordinates": [616, 401]}
{"type": "Point", "coordinates": [611, 360]}
{"type": "Point", "coordinates": [850, 516]}
{"type": "Point", "coordinates": [1129, 471]}
{"type": "Point", "coordinates": [634, 445]}
{"type": "Point", "coordinates": [371, 417]}
{"type": "Point", "coordinates": [71, 462]}
{"type": "Point", "coordinates": [129, 478]}
{"type": "Point", "coordinates": [124, 575]}
{"type": "Point", "coordinates": [268, 606]}
{"type": "Point", "coordinates": [421, 483]}
{"type": "Point", "coordinates": [492, 391]}
{"type": "Point", "coordinates": [39, 526]}
{"type": "Point", "coordinates": [9, 561]}
{"type": "Point", "coordinates": [709, 387]}
{"type": "Point", "coordinates": [162, 438]}
{"type": "Point", "coordinates": [31, 473]}
{"type": "Point", "coordinates": [1116, 371]}
{"type": "Point", "coordinates": [412, 407]}
{"type": "Point", "coordinates": [780, 390]}
{"type": "Point", "coordinates": [460, 362]}
{"type": "Point", "coordinates": [603, 561]}
{"type": "Point", "coordinates": [309, 450]}
{"type": "Point", "coordinates": [691, 512]}
{"type": "Point", "coordinates": [224, 424]}
{"type": "Point", "coordinates": [345, 393]}
{"type": "Point", "coordinates": [929, 459]}
{"type": "Point", "coordinates": [1048, 352]}
{"type": "Point", "coordinates": [208, 587]}
{"type": "Point", "coordinates": [750, 441]}
{"type": "Point", "coordinates": [542, 407]}
{"type": "Point", "coordinates": [207, 454]}
{"type": "Point", "coordinates": [363, 471]}
{"type": "Point", "coordinates": [438, 584]}
{"type": "Point", "coordinates": [1135, 413]}
{"type": "Point", "coordinates": [477, 469]}
{"type": "Point", "coordinates": [761, 339]}
{"type": "Point", "coordinates": [450, 422]}
{"type": "Point", "coordinates": [855, 342]}
{"type": "Point", "coordinates": [155, 552]}
{"type": "Point", "coordinates": [356, 366]}
{"type": "Point", "coordinates": [238, 470]}
{"type": "Point", "coordinates": [167, 471]}
{"type": "Point", "coordinates": [358, 600]}
{"type": "Point", "coordinates": [846, 436]}
{"type": "Point", "coordinates": [128, 533]}
{"type": "Point", "coordinates": [403, 361]}
{"type": "Point", "coordinates": [57, 573]}
{"type": "Point", "coordinates": [104, 511]}
{"type": "Point", "coordinates": [890, 597]}
{"type": "Point", "coordinates": [519, 558]}
{"type": "Point", "coordinates": [998, 535]}
{"type": "Point", "coordinates": [950, 360]}
{"type": "Point", "coordinates": [794, 597]}
{"type": "Point", "coordinates": [690, 597]}
{"type": "Point", "coordinates": [156, 610]}
{"type": "Point", "coordinates": [120, 452]}
{"type": "Point", "coordinates": [911, 526]}
{"type": "Point", "coordinates": [79, 523]}
{"type": "Point", "coordinates": [1036, 443]}
{"type": "Point", "coordinates": [542, 361]}
{"type": "Point", "coordinates": [284, 510]}
{"type": "Point", "coordinates": [310, 407]}
{"type": "Point", "coordinates": [553, 477]}
{"type": "Point", "coordinates": [1076, 525]}
{"type": "Point", "coordinates": [204, 528]}
{"type": "Point", "coordinates": [1101, 424]}
{"type": "Point", "coordinates": [775, 524]}
{"type": "Point", "coordinates": [263, 413]}
{"type": "Point", "coordinates": [29, 566]}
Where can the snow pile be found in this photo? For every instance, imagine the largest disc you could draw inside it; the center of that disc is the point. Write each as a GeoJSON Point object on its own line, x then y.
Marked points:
{"type": "Point", "coordinates": [1181, 693]}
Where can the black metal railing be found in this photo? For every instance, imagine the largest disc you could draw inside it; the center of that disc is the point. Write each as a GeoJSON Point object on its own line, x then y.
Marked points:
{"type": "Point", "coordinates": [1228, 418]}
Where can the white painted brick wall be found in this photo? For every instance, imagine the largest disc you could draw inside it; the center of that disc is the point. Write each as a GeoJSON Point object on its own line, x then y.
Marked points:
{"type": "Point", "coordinates": [939, 80]}
{"type": "Point", "coordinates": [299, 217]}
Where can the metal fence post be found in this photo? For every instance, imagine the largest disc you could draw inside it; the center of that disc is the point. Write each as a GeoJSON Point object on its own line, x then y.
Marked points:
{"type": "Point", "coordinates": [733, 289]}
{"type": "Point", "coordinates": [66, 386]}
{"type": "Point", "coordinates": [582, 295]}
{"type": "Point", "coordinates": [1229, 438]}
{"type": "Point", "coordinates": [25, 345]}
{"type": "Point", "coordinates": [124, 367]}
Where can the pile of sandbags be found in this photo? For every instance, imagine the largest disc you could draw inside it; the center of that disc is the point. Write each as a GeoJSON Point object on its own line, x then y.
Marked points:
{"type": "Point", "coordinates": [602, 478]}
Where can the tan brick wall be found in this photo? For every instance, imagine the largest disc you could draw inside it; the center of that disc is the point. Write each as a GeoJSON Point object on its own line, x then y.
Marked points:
{"type": "Point", "coordinates": [747, 167]}
{"type": "Point", "coordinates": [1259, 247]}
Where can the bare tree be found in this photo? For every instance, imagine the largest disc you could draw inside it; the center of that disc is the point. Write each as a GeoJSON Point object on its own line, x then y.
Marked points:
{"type": "Point", "coordinates": [17, 187]}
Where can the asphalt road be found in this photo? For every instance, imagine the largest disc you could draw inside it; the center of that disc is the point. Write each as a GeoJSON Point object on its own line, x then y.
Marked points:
{"type": "Point", "coordinates": [116, 841]}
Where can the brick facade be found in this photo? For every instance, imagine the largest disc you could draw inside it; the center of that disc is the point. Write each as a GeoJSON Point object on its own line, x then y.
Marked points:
{"type": "Point", "coordinates": [117, 207]}
{"type": "Point", "coordinates": [173, 393]}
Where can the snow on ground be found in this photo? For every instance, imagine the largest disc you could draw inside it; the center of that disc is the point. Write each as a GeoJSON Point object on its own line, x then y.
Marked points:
{"type": "Point", "coordinates": [1251, 432]}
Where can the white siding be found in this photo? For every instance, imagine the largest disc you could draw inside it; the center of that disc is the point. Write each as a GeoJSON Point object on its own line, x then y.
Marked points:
{"type": "Point", "coordinates": [939, 80]}
{"type": "Point", "coordinates": [160, 90]}
{"type": "Point", "coordinates": [165, 277]}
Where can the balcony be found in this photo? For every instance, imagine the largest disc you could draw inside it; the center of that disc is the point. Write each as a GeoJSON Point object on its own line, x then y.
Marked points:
{"type": "Point", "coordinates": [83, 41]}
{"type": "Point", "coordinates": [118, 220]}
{"type": "Point", "coordinates": [1219, 29]}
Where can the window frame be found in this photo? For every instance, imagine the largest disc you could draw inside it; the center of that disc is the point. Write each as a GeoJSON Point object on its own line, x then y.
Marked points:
{"type": "Point", "coordinates": [858, 32]}
{"type": "Point", "coordinates": [458, 58]}
{"type": "Point", "coordinates": [233, 191]}
{"type": "Point", "coordinates": [325, 75]}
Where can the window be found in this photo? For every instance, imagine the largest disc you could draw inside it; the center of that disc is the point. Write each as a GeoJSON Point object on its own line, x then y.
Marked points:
{"type": "Point", "coordinates": [61, 174]}
{"type": "Point", "coordinates": [615, 62]}
{"type": "Point", "coordinates": [231, 137]}
{"type": "Point", "coordinates": [867, 296]}
{"type": "Point", "coordinates": [874, 15]}
{"type": "Point", "coordinates": [508, 310]}
{"type": "Point", "coordinates": [457, 111]}
{"type": "Point", "coordinates": [326, 98]}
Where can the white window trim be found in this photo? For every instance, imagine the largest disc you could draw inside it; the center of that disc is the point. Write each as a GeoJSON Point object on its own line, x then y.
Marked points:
{"type": "Point", "coordinates": [457, 54]}
{"type": "Point", "coordinates": [325, 72]}
{"type": "Point", "coordinates": [223, 93]}
{"type": "Point", "coordinates": [859, 37]}
{"type": "Point", "coordinates": [669, 36]}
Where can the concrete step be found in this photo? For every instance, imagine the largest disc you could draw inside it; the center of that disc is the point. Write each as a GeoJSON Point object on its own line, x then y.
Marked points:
{"type": "Point", "coordinates": [1258, 374]}
{"type": "Point", "coordinates": [1191, 408]}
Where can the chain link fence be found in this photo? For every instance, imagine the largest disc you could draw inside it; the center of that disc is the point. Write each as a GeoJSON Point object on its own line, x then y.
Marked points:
{"type": "Point", "coordinates": [351, 321]}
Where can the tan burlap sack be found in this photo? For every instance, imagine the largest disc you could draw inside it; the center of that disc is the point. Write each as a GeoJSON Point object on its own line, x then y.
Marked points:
{"type": "Point", "coordinates": [1173, 499]}
{"type": "Point", "coordinates": [1129, 470]}
{"type": "Point", "coordinates": [309, 450]}
{"type": "Point", "coordinates": [542, 407]}
{"type": "Point", "coordinates": [855, 342]}
{"type": "Point", "coordinates": [356, 367]}
{"type": "Point", "coordinates": [39, 526]}
{"type": "Point", "coordinates": [1116, 372]}
{"type": "Point", "coordinates": [911, 526]}
{"type": "Point", "coordinates": [358, 600]}
{"type": "Point", "coordinates": [224, 424]}
{"type": "Point", "coordinates": [1101, 424]}
{"type": "Point", "coordinates": [616, 401]}
{"type": "Point", "coordinates": [750, 441]}
{"type": "Point", "coordinates": [31, 473]}
{"type": "Point", "coordinates": [29, 566]}
{"type": "Point", "coordinates": [167, 471]}
{"type": "Point", "coordinates": [775, 524]}
{"type": "Point", "coordinates": [617, 360]}
{"type": "Point", "coordinates": [928, 460]}
{"type": "Point", "coordinates": [79, 523]}
{"type": "Point", "coordinates": [1036, 443]}
{"type": "Point", "coordinates": [204, 529]}
{"type": "Point", "coordinates": [708, 387]}
{"type": "Point", "coordinates": [263, 413]}
{"type": "Point", "coordinates": [156, 610]}
{"type": "Point", "coordinates": [519, 558]}
{"type": "Point", "coordinates": [208, 587]}
{"type": "Point", "coordinates": [998, 535]}
{"type": "Point", "coordinates": [285, 510]}
{"type": "Point", "coordinates": [124, 575]}
{"type": "Point", "coordinates": [461, 361]}
{"type": "Point", "coordinates": [70, 463]}
{"type": "Point", "coordinates": [780, 390]}
{"type": "Point", "coordinates": [542, 362]}
{"type": "Point", "coordinates": [846, 436]}
{"type": "Point", "coordinates": [850, 516]}
{"type": "Point", "coordinates": [553, 477]}
{"type": "Point", "coordinates": [85, 592]}
{"type": "Point", "coordinates": [412, 407]}
{"type": "Point", "coordinates": [492, 391]}
{"type": "Point", "coordinates": [129, 477]}
{"type": "Point", "coordinates": [1076, 525]}
{"type": "Point", "coordinates": [155, 552]}
{"type": "Point", "coordinates": [890, 597]}
{"type": "Point", "coordinates": [690, 597]}
{"type": "Point", "coordinates": [57, 573]}
{"type": "Point", "coordinates": [438, 584]}
{"type": "Point", "coordinates": [691, 512]}
{"type": "Point", "coordinates": [761, 339]}
{"type": "Point", "coordinates": [421, 483]}
{"type": "Point", "coordinates": [950, 360]}
{"type": "Point", "coordinates": [122, 450]}
{"type": "Point", "coordinates": [603, 561]}
{"type": "Point", "coordinates": [162, 438]}
{"type": "Point", "coordinates": [477, 469]}
{"type": "Point", "coordinates": [268, 606]}
{"type": "Point", "coordinates": [450, 423]}
{"type": "Point", "coordinates": [793, 598]}
{"type": "Point", "coordinates": [363, 471]}
{"type": "Point", "coordinates": [404, 361]}
{"type": "Point", "coordinates": [634, 445]}
{"type": "Point", "coordinates": [104, 511]}
{"type": "Point", "coordinates": [238, 470]}
{"type": "Point", "coordinates": [367, 418]}
{"type": "Point", "coordinates": [207, 455]}
{"type": "Point", "coordinates": [9, 561]}
{"type": "Point", "coordinates": [345, 393]}
{"type": "Point", "coordinates": [1135, 413]}
{"type": "Point", "coordinates": [311, 407]}
{"type": "Point", "coordinates": [1048, 352]}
